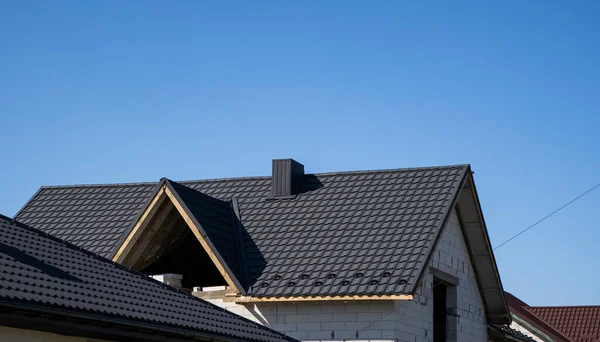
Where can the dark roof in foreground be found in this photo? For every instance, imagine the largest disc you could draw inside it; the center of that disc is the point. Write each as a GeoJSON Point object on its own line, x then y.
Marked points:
{"type": "Point", "coordinates": [579, 323]}
{"type": "Point", "coordinates": [43, 275]}
{"type": "Point", "coordinates": [337, 225]}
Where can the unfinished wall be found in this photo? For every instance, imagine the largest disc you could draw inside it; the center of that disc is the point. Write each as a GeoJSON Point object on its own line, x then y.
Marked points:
{"type": "Point", "coordinates": [452, 257]}
{"type": "Point", "coordinates": [409, 321]}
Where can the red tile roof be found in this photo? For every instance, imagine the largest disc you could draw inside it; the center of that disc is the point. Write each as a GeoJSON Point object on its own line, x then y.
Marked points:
{"type": "Point", "coordinates": [521, 309]}
{"type": "Point", "coordinates": [580, 323]}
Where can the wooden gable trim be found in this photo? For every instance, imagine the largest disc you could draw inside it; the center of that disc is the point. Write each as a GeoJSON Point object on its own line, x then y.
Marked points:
{"type": "Point", "coordinates": [195, 229]}
{"type": "Point", "coordinates": [250, 299]}
{"type": "Point", "coordinates": [138, 228]}
{"type": "Point", "coordinates": [444, 276]}
{"type": "Point", "coordinates": [164, 193]}
{"type": "Point", "coordinates": [472, 224]}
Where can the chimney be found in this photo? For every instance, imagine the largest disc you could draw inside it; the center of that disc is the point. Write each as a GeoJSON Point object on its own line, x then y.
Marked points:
{"type": "Point", "coordinates": [285, 178]}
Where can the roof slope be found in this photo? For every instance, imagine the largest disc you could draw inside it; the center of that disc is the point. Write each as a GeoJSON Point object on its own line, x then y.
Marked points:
{"type": "Point", "coordinates": [91, 217]}
{"type": "Point", "coordinates": [580, 323]}
{"type": "Point", "coordinates": [366, 232]}
{"type": "Point", "coordinates": [40, 271]}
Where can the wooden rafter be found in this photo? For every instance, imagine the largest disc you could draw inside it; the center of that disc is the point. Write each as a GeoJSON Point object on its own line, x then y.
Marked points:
{"type": "Point", "coordinates": [149, 232]}
{"type": "Point", "coordinates": [146, 217]}
{"type": "Point", "coordinates": [154, 226]}
{"type": "Point", "coordinates": [202, 241]}
{"type": "Point", "coordinates": [249, 299]}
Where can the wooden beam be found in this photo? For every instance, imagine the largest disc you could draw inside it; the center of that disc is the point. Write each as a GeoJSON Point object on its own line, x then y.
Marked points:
{"type": "Point", "coordinates": [147, 235]}
{"type": "Point", "coordinates": [249, 299]}
{"type": "Point", "coordinates": [202, 241]}
{"type": "Point", "coordinates": [444, 276]}
{"type": "Point", "coordinates": [150, 255]}
{"type": "Point", "coordinates": [139, 226]}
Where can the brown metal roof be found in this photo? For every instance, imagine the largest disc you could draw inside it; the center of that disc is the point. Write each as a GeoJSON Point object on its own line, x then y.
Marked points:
{"type": "Point", "coordinates": [580, 323]}
{"type": "Point", "coordinates": [520, 309]}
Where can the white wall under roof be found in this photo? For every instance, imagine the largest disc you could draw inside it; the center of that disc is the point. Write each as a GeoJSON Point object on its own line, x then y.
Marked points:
{"type": "Point", "coordinates": [529, 332]}
{"type": "Point", "coordinates": [409, 321]}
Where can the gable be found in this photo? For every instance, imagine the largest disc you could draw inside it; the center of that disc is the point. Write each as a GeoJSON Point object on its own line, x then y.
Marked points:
{"type": "Point", "coordinates": [161, 231]}
{"type": "Point", "coordinates": [481, 254]}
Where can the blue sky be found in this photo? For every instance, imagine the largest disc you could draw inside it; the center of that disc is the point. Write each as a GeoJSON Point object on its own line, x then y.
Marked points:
{"type": "Point", "coordinates": [125, 91]}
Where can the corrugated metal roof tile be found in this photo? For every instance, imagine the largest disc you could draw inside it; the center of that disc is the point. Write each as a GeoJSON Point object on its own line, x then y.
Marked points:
{"type": "Point", "coordinates": [46, 272]}
{"type": "Point", "coordinates": [342, 221]}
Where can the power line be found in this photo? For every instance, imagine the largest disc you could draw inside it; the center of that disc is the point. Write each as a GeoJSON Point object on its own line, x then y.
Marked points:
{"type": "Point", "coordinates": [502, 244]}
{"type": "Point", "coordinates": [547, 216]}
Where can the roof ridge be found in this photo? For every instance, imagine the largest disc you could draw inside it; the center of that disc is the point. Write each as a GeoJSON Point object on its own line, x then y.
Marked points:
{"type": "Point", "coordinates": [254, 177]}
{"type": "Point", "coordinates": [391, 170]}
{"type": "Point", "coordinates": [95, 185]}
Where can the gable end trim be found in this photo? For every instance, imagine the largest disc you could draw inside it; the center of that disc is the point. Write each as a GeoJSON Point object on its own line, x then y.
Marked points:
{"type": "Point", "coordinates": [440, 229]}
{"type": "Point", "coordinates": [166, 191]}
{"type": "Point", "coordinates": [204, 240]}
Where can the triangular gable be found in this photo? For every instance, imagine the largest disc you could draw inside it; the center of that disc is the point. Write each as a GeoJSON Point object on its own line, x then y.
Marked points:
{"type": "Point", "coordinates": [209, 219]}
{"type": "Point", "coordinates": [481, 253]}
{"type": "Point", "coordinates": [478, 244]}
{"type": "Point", "coordinates": [466, 203]}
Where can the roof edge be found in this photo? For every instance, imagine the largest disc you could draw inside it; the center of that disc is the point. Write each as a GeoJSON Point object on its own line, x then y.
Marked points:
{"type": "Point", "coordinates": [561, 306]}
{"type": "Point", "coordinates": [489, 244]}
{"type": "Point", "coordinates": [433, 167]}
{"type": "Point", "coordinates": [28, 201]}
{"type": "Point", "coordinates": [138, 216]}
{"type": "Point", "coordinates": [440, 229]}
{"type": "Point", "coordinates": [256, 299]}
{"type": "Point", "coordinates": [541, 327]}
{"type": "Point", "coordinates": [127, 324]}
{"type": "Point", "coordinates": [519, 310]}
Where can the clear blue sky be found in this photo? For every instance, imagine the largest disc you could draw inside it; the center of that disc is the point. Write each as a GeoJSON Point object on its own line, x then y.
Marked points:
{"type": "Point", "coordinates": [125, 91]}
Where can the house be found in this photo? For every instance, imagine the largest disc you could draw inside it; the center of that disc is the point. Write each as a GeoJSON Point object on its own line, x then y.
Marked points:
{"type": "Point", "coordinates": [51, 290]}
{"type": "Point", "coordinates": [383, 255]}
{"type": "Point", "coordinates": [555, 323]}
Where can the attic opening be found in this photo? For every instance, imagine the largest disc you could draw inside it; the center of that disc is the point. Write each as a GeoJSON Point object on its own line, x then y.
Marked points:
{"type": "Point", "coordinates": [167, 245]}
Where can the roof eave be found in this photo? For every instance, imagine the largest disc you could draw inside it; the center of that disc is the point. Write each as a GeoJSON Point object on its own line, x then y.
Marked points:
{"type": "Point", "coordinates": [257, 299]}
{"type": "Point", "coordinates": [481, 253]}
{"type": "Point", "coordinates": [125, 328]}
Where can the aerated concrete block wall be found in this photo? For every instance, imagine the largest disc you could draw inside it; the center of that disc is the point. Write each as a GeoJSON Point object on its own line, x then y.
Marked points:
{"type": "Point", "coordinates": [409, 321]}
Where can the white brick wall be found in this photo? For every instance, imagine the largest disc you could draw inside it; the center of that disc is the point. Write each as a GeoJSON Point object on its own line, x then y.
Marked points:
{"type": "Point", "coordinates": [408, 321]}
{"type": "Point", "coordinates": [451, 256]}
